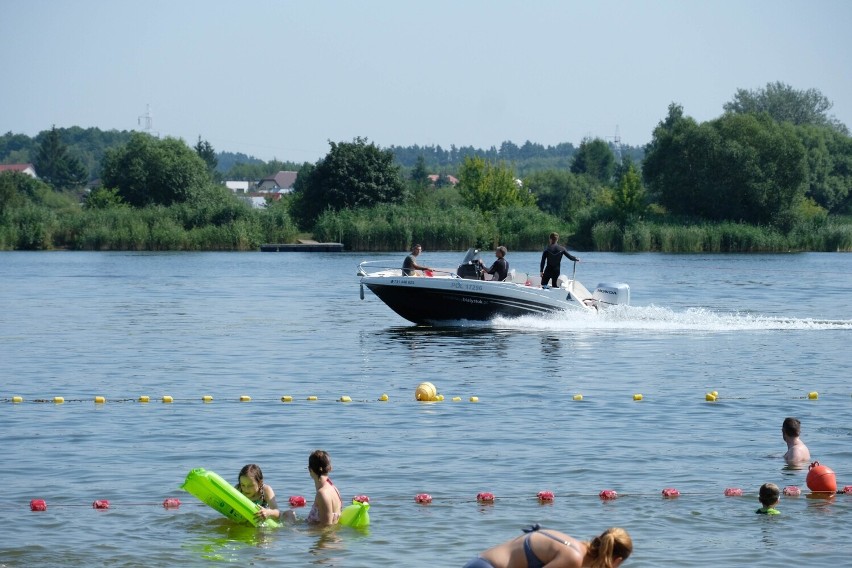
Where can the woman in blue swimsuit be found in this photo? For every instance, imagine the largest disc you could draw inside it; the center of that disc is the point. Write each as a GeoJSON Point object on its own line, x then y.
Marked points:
{"type": "Point", "coordinates": [538, 548]}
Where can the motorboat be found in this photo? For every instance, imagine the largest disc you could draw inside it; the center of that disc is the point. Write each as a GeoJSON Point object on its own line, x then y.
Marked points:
{"type": "Point", "coordinates": [441, 296]}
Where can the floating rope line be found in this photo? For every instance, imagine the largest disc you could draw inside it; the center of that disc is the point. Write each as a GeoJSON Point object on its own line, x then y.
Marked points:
{"type": "Point", "coordinates": [545, 497]}
{"type": "Point", "coordinates": [711, 397]}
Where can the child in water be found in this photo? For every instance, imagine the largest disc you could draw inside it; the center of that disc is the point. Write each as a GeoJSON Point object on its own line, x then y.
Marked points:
{"type": "Point", "coordinates": [769, 497]}
{"type": "Point", "coordinates": [251, 485]}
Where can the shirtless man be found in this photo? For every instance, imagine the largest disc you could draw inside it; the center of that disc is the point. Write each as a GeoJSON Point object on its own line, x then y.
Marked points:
{"type": "Point", "coordinates": [797, 451]}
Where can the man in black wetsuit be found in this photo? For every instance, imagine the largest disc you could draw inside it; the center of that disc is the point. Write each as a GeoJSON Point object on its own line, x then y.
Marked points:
{"type": "Point", "coordinates": [552, 255]}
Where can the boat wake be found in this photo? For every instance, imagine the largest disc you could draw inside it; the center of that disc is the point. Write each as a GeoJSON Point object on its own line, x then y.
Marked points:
{"type": "Point", "coordinates": [666, 319]}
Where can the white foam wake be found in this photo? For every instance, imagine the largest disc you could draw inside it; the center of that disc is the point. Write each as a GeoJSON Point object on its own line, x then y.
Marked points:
{"type": "Point", "coordinates": [666, 319]}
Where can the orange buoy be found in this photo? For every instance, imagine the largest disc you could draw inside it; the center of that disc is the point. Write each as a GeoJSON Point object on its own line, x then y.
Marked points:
{"type": "Point", "coordinates": [821, 478]}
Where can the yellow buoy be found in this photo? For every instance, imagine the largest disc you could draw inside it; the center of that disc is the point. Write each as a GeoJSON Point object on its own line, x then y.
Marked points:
{"type": "Point", "coordinates": [345, 398]}
{"type": "Point", "coordinates": [578, 397]}
{"type": "Point", "coordinates": [384, 397]}
{"type": "Point", "coordinates": [710, 397]}
{"type": "Point", "coordinates": [813, 395]}
{"type": "Point", "coordinates": [286, 398]}
{"type": "Point", "coordinates": [715, 393]}
{"type": "Point", "coordinates": [207, 398]}
{"type": "Point", "coordinates": [474, 399]}
{"type": "Point", "coordinates": [312, 397]}
{"type": "Point", "coordinates": [144, 398]}
{"type": "Point", "coordinates": [439, 397]}
{"type": "Point", "coordinates": [17, 399]}
{"type": "Point", "coordinates": [167, 398]}
{"type": "Point", "coordinates": [58, 399]}
{"type": "Point", "coordinates": [425, 392]}
{"type": "Point", "coordinates": [99, 400]}
{"type": "Point", "coordinates": [245, 398]}
{"type": "Point", "coordinates": [456, 398]}
{"type": "Point", "coordinates": [637, 396]}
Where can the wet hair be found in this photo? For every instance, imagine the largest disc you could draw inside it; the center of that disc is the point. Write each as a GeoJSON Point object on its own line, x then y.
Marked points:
{"type": "Point", "coordinates": [613, 543]}
{"type": "Point", "coordinates": [769, 494]}
{"type": "Point", "coordinates": [319, 462]}
{"type": "Point", "coordinates": [554, 236]}
{"type": "Point", "coordinates": [252, 471]}
{"type": "Point", "coordinates": [503, 250]}
{"type": "Point", "coordinates": [791, 427]}
{"type": "Point", "coordinates": [416, 246]}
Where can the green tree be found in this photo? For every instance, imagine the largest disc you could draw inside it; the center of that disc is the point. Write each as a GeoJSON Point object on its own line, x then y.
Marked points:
{"type": "Point", "coordinates": [739, 167]}
{"type": "Point", "coordinates": [829, 156]}
{"type": "Point", "coordinates": [629, 200]}
{"type": "Point", "coordinates": [9, 195]}
{"type": "Point", "coordinates": [595, 158]}
{"type": "Point", "coordinates": [560, 192]}
{"type": "Point", "coordinates": [786, 104]}
{"type": "Point", "coordinates": [206, 152]}
{"type": "Point", "coordinates": [56, 166]}
{"type": "Point", "coordinates": [352, 175]}
{"type": "Point", "coordinates": [148, 171]}
{"type": "Point", "coordinates": [419, 174]}
{"type": "Point", "coordinates": [103, 198]}
{"type": "Point", "coordinates": [488, 187]}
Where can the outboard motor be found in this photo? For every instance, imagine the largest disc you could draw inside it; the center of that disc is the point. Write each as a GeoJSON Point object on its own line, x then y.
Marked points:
{"type": "Point", "coordinates": [611, 294]}
{"type": "Point", "coordinates": [470, 267]}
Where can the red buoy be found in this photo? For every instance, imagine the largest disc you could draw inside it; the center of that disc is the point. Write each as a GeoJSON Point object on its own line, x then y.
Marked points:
{"type": "Point", "coordinates": [545, 496]}
{"type": "Point", "coordinates": [171, 503]}
{"type": "Point", "coordinates": [670, 493]}
{"type": "Point", "coordinates": [423, 498]}
{"type": "Point", "coordinates": [100, 504]}
{"type": "Point", "coordinates": [733, 492]}
{"type": "Point", "coordinates": [38, 505]}
{"type": "Point", "coordinates": [297, 501]}
{"type": "Point", "coordinates": [485, 497]}
{"type": "Point", "coordinates": [608, 495]}
{"type": "Point", "coordinates": [821, 479]}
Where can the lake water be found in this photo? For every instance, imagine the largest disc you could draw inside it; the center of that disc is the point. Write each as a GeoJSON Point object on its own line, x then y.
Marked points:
{"type": "Point", "coordinates": [761, 330]}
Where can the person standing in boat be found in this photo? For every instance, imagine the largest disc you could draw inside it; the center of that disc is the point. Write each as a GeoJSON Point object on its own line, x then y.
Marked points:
{"type": "Point", "coordinates": [551, 259]}
{"type": "Point", "coordinates": [409, 265]}
{"type": "Point", "coordinates": [500, 269]}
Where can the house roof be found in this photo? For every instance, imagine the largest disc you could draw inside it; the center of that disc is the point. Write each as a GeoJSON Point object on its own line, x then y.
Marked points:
{"type": "Point", "coordinates": [17, 168]}
{"type": "Point", "coordinates": [434, 178]}
{"type": "Point", "coordinates": [282, 179]}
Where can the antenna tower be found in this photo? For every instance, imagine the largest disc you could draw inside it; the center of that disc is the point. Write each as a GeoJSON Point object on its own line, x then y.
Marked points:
{"type": "Point", "coordinates": [146, 121]}
{"type": "Point", "coordinates": [616, 141]}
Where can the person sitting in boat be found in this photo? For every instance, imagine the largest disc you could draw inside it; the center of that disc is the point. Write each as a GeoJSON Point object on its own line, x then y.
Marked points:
{"type": "Point", "coordinates": [409, 265]}
{"type": "Point", "coordinates": [500, 269]}
{"type": "Point", "coordinates": [552, 256]}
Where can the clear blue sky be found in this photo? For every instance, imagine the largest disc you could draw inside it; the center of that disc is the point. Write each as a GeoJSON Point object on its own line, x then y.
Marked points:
{"type": "Point", "coordinates": [279, 79]}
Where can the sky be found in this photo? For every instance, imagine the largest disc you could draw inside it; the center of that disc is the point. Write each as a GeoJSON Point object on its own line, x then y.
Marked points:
{"type": "Point", "coordinates": [280, 79]}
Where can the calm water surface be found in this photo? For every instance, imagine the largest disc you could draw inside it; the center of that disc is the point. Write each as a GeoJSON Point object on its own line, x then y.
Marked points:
{"type": "Point", "coordinates": [762, 330]}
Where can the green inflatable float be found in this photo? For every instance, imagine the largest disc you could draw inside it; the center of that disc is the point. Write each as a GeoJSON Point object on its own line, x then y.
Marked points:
{"type": "Point", "coordinates": [356, 515]}
{"type": "Point", "coordinates": [210, 488]}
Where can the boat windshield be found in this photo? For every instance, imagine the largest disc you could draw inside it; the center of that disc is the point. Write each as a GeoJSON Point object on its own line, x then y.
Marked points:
{"type": "Point", "coordinates": [471, 256]}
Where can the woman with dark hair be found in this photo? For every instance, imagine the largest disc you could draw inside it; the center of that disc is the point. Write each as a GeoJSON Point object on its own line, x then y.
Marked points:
{"type": "Point", "coordinates": [327, 502]}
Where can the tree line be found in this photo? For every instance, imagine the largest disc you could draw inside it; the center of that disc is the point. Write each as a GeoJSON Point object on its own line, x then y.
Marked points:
{"type": "Point", "coordinates": [772, 172]}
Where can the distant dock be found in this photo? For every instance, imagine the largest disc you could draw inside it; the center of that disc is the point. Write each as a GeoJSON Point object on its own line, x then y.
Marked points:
{"type": "Point", "coordinates": [304, 245]}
